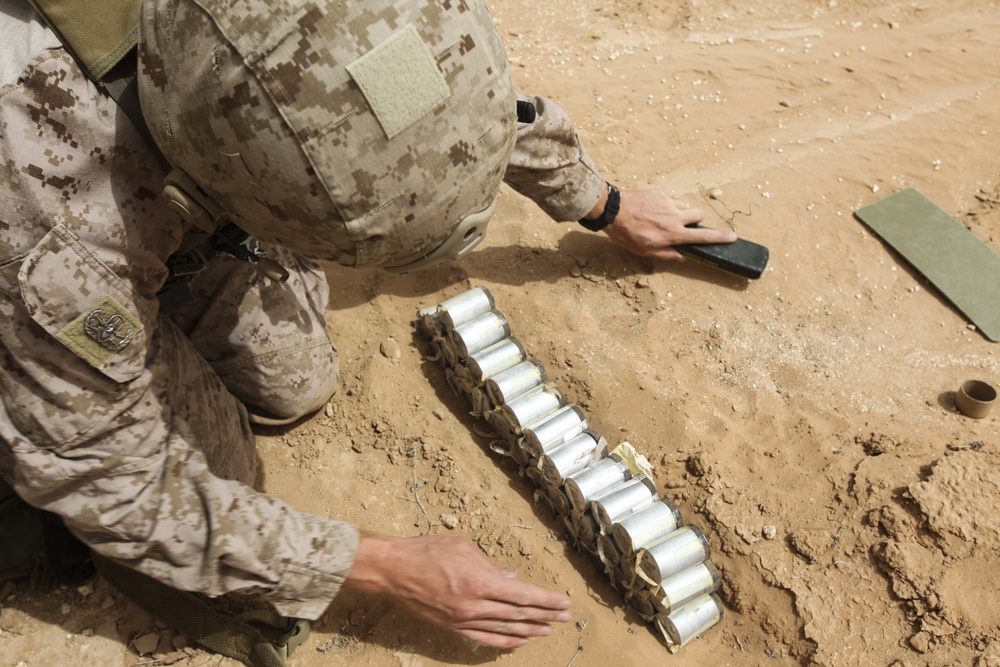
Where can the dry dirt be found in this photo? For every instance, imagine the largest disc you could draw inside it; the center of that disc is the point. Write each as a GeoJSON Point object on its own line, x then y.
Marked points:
{"type": "Point", "coordinates": [817, 400]}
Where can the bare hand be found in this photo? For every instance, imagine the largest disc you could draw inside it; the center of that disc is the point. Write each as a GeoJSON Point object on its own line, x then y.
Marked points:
{"type": "Point", "coordinates": [447, 581]}
{"type": "Point", "coordinates": [651, 222]}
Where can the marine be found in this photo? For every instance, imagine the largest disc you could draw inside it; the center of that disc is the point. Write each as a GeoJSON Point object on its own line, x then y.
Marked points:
{"type": "Point", "coordinates": [369, 134]}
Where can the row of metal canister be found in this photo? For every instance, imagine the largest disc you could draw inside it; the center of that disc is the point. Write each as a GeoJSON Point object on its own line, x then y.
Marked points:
{"type": "Point", "coordinates": [610, 507]}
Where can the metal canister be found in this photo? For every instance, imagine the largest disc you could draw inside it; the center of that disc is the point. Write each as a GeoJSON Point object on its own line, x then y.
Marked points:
{"type": "Point", "coordinates": [608, 553]}
{"type": "Point", "coordinates": [481, 404]}
{"type": "Point", "coordinates": [572, 456]}
{"type": "Point", "coordinates": [479, 333]}
{"type": "Point", "coordinates": [532, 407]}
{"type": "Point", "coordinates": [428, 323]}
{"type": "Point", "coordinates": [640, 529]}
{"type": "Point", "coordinates": [496, 358]}
{"type": "Point", "coordinates": [542, 498]}
{"type": "Point", "coordinates": [558, 500]}
{"type": "Point", "coordinates": [691, 620]}
{"type": "Point", "coordinates": [620, 501]}
{"type": "Point", "coordinates": [457, 384]}
{"type": "Point", "coordinates": [515, 381]}
{"type": "Point", "coordinates": [518, 454]}
{"type": "Point", "coordinates": [533, 474]}
{"type": "Point", "coordinates": [599, 477]}
{"type": "Point", "coordinates": [502, 426]}
{"type": "Point", "coordinates": [682, 549]}
{"type": "Point", "coordinates": [570, 522]}
{"type": "Point", "coordinates": [465, 307]}
{"type": "Point", "coordinates": [449, 351]}
{"type": "Point", "coordinates": [556, 429]}
{"type": "Point", "coordinates": [682, 588]}
{"type": "Point", "coordinates": [587, 529]}
{"type": "Point", "coordinates": [640, 600]}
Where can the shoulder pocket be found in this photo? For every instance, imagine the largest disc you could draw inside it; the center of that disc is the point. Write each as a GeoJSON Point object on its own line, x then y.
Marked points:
{"type": "Point", "coordinates": [86, 306]}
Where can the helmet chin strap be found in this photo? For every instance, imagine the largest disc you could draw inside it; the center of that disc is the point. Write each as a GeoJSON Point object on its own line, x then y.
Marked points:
{"type": "Point", "coordinates": [467, 234]}
{"type": "Point", "coordinates": [186, 198]}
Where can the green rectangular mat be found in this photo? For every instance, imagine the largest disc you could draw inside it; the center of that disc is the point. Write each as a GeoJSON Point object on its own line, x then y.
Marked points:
{"type": "Point", "coordinates": [963, 268]}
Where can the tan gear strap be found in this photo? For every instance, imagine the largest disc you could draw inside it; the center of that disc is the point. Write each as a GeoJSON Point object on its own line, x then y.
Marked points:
{"type": "Point", "coordinates": [99, 33]}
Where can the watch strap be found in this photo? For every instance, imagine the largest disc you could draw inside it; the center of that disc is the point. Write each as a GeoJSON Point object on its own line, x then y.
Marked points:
{"type": "Point", "coordinates": [611, 208]}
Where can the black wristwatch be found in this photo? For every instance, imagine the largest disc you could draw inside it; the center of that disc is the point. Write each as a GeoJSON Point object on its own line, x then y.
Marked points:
{"type": "Point", "coordinates": [610, 211]}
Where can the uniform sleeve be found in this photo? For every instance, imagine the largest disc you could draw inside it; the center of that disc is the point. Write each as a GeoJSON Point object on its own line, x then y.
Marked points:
{"type": "Point", "coordinates": [108, 416]}
{"type": "Point", "coordinates": [551, 167]}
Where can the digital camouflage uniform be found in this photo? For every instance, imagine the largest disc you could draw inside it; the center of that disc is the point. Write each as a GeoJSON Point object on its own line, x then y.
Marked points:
{"type": "Point", "coordinates": [133, 425]}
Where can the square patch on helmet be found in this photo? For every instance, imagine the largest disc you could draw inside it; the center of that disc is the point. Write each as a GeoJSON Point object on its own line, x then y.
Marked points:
{"type": "Point", "coordinates": [401, 81]}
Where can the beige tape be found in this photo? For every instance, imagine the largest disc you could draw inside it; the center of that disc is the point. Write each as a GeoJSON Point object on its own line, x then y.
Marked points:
{"type": "Point", "coordinates": [636, 462]}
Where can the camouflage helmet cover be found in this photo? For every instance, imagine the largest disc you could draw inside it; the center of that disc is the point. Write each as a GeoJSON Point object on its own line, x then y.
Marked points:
{"type": "Point", "coordinates": [358, 132]}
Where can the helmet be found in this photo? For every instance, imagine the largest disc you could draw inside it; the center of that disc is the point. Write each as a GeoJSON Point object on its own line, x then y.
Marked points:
{"type": "Point", "coordinates": [359, 132]}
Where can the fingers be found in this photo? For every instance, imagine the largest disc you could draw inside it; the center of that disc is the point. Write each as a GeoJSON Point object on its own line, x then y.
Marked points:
{"type": "Point", "coordinates": [524, 595]}
{"type": "Point", "coordinates": [512, 628]}
{"type": "Point", "coordinates": [502, 611]}
{"type": "Point", "coordinates": [493, 639]}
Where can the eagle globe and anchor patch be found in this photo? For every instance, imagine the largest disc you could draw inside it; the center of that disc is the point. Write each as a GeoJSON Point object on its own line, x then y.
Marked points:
{"type": "Point", "coordinates": [101, 332]}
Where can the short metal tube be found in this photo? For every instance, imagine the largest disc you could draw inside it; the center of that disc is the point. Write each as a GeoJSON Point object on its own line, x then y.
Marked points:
{"type": "Point", "coordinates": [481, 404]}
{"type": "Point", "coordinates": [519, 379]}
{"type": "Point", "coordinates": [542, 498]}
{"type": "Point", "coordinates": [495, 358]}
{"type": "Point", "coordinates": [561, 426]}
{"type": "Point", "coordinates": [518, 454]}
{"type": "Point", "coordinates": [570, 522]}
{"type": "Point", "coordinates": [686, 586]}
{"type": "Point", "coordinates": [608, 553]}
{"type": "Point", "coordinates": [478, 334]}
{"type": "Point", "coordinates": [600, 477]}
{"type": "Point", "coordinates": [682, 549]}
{"type": "Point", "coordinates": [640, 529]}
{"type": "Point", "coordinates": [465, 307]}
{"type": "Point", "coordinates": [428, 323]}
{"type": "Point", "coordinates": [587, 529]}
{"type": "Point", "coordinates": [640, 601]}
{"type": "Point", "coordinates": [622, 500]}
{"type": "Point", "coordinates": [560, 504]}
{"type": "Point", "coordinates": [691, 620]}
{"type": "Point", "coordinates": [532, 407]}
{"type": "Point", "coordinates": [572, 456]}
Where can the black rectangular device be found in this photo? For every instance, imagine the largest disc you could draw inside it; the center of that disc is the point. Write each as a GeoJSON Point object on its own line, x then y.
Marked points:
{"type": "Point", "coordinates": [742, 258]}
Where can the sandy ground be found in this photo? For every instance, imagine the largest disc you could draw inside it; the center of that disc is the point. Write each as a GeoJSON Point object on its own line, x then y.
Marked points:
{"type": "Point", "coordinates": [817, 400]}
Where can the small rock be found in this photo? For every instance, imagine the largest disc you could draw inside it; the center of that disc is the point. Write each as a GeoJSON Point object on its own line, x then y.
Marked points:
{"type": "Point", "coordinates": [390, 349]}
{"type": "Point", "coordinates": [921, 642]}
{"type": "Point", "coordinates": [769, 532]}
{"type": "Point", "coordinates": [698, 465]}
{"type": "Point", "coordinates": [65, 609]}
{"type": "Point", "coordinates": [575, 271]}
{"type": "Point", "coordinates": [146, 644]}
{"type": "Point", "coordinates": [87, 632]}
{"type": "Point", "coordinates": [449, 521]}
{"type": "Point", "coordinates": [108, 602]}
{"type": "Point", "coordinates": [811, 544]}
{"type": "Point", "coordinates": [86, 590]}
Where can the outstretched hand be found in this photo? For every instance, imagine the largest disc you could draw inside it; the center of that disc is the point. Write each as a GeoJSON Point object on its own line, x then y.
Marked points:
{"type": "Point", "coordinates": [651, 222]}
{"type": "Point", "coordinates": [447, 581]}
